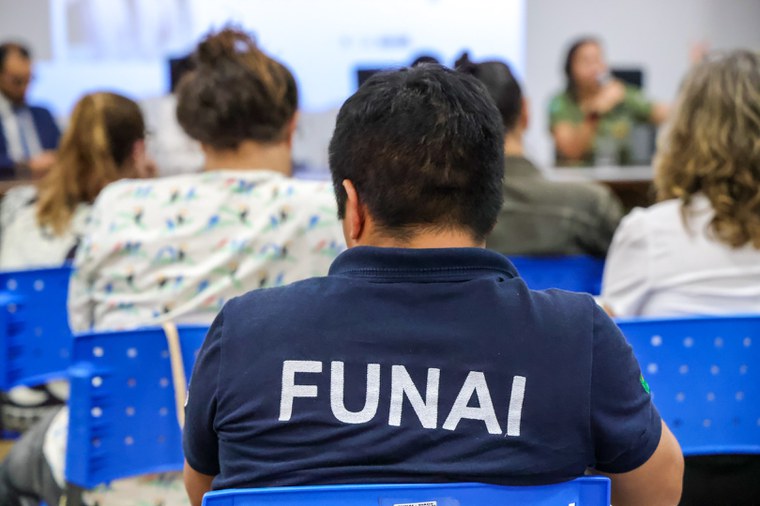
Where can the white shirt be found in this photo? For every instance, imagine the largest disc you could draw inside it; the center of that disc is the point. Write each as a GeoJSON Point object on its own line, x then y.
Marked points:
{"type": "Point", "coordinates": [25, 244]}
{"type": "Point", "coordinates": [14, 125]}
{"type": "Point", "coordinates": [658, 266]}
{"type": "Point", "coordinates": [177, 248]}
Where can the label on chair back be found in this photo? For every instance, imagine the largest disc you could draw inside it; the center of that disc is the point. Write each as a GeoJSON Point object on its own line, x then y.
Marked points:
{"type": "Point", "coordinates": [426, 503]}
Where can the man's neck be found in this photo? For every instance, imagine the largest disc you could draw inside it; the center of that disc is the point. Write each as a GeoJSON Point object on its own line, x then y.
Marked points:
{"type": "Point", "coordinates": [424, 240]}
{"type": "Point", "coordinates": [513, 144]}
{"type": "Point", "coordinates": [251, 155]}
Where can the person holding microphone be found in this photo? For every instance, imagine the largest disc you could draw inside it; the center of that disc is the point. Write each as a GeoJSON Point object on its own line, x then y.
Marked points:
{"type": "Point", "coordinates": [592, 120]}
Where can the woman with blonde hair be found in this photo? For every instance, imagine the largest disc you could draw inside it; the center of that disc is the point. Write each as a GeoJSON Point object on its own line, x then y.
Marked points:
{"type": "Point", "coordinates": [697, 251]}
{"type": "Point", "coordinates": [105, 142]}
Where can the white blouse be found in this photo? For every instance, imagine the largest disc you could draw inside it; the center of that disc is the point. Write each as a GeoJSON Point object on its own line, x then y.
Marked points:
{"type": "Point", "coordinates": [661, 265]}
{"type": "Point", "coordinates": [25, 244]}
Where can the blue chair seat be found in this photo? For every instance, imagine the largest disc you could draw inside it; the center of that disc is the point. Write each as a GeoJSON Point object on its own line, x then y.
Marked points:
{"type": "Point", "coordinates": [586, 491]}
{"type": "Point", "coordinates": [573, 273]}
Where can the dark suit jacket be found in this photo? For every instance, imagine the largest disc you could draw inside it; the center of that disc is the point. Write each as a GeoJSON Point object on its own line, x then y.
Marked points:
{"type": "Point", "coordinates": [47, 131]}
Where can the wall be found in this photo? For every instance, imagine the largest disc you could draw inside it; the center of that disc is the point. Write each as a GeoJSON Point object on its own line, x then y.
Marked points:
{"type": "Point", "coordinates": [655, 35]}
{"type": "Point", "coordinates": [27, 21]}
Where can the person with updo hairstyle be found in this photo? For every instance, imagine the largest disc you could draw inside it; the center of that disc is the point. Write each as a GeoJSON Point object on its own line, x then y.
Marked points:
{"type": "Point", "coordinates": [538, 216]}
{"type": "Point", "coordinates": [697, 251]}
{"type": "Point", "coordinates": [179, 247]}
{"type": "Point", "coordinates": [176, 248]}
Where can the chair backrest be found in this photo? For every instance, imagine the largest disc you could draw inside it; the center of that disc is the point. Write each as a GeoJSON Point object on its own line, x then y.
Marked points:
{"type": "Point", "coordinates": [35, 339]}
{"type": "Point", "coordinates": [123, 417]}
{"type": "Point", "coordinates": [573, 273]}
{"type": "Point", "coordinates": [587, 491]}
{"type": "Point", "coordinates": [704, 375]}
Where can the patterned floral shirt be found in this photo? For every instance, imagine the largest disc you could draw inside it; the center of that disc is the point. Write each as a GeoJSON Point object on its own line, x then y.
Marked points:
{"type": "Point", "coordinates": [177, 248]}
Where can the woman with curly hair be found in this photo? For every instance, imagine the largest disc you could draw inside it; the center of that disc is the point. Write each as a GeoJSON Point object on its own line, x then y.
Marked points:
{"type": "Point", "coordinates": [697, 251]}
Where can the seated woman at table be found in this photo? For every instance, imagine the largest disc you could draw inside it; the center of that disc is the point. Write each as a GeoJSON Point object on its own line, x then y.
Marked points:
{"type": "Point", "coordinates": [593, 119]}
{"type": "Point", "coordinates": [105, 141]}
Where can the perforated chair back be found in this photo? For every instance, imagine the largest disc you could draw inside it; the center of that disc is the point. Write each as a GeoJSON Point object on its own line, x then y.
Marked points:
{"type": "Point", "coordinates": [123, 417]}
{"type": "Point", "coordinates": [704, 375]}
{"type": "Point", "coordinates": [587, 491]}
{"type": "Point", "coordinates": [572, 273]}
{"type": "Point", "coordinates": [35, 339]}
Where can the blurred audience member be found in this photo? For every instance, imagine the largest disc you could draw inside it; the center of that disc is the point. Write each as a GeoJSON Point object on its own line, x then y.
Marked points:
{"type": "Point", "coordinates": [28, 134]}
{"type": "Point", "coordinates": [698, 250]}
{"type": "Point", "coordinates": [540, 217]}
{"type": "Point", "coordinates": [593, 119]}
{"type": "Point", "coordinates": [104, 142]}
{"type": "Point", "coordinates": [176, 248]}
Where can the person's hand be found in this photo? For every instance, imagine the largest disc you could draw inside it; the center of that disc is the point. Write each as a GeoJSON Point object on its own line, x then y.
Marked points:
{"type": "Point", "coordinates": [608, 97]}
{"type": "Point", "coordinates": [699, 51]}
{"type": "Point", "coordinates": [42, 162]}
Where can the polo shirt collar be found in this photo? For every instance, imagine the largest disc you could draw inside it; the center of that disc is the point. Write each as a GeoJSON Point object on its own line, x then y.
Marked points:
{"type": "Point", "coordinates": [397, 264]}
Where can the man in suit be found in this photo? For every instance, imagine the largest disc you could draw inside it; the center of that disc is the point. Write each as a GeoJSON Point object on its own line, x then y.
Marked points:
{"type": "Point", "coordinates": [28, 134]}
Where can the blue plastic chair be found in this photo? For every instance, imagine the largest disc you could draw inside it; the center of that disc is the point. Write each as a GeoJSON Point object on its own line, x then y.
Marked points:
{"type": "Point", "coordinates": [123, 417]}
{"type": "Point", "coordinates": [572, 273]}
{"type": "Point", "coordinates": [704, 375]}
{"type": "Point", "coordinates": [586, 491]}
{"type": "Point", "coordinates": [35, 339]}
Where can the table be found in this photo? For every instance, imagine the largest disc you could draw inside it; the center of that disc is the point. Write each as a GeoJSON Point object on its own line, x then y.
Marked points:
{"type": "Point", "coordinates": [633, 185]}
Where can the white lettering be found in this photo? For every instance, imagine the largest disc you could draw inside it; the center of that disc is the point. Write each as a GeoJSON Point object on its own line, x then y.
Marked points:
{"type": "Point", "coordinates": [474, 384]}
{"type": "Point", "coordinates": [402, 384]}
{"type": "Point", "coordinates": [515, 406]}
{"type": "Point", "coordinates": [337, 385]}
{"type": "Point", "coordinates": [289, 388]}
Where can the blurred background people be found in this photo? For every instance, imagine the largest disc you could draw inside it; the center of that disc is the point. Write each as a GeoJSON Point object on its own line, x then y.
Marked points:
{"type": "Point", "coordinates": [593, 119]}
{"type": "Point", "coordinates": [538, 216]}
{"type": "Point", "coordinates": [104, 142]}
{"type": "Point", "coordinates": [28, 134]}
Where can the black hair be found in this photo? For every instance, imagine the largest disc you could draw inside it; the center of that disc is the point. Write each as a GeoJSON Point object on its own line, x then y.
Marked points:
{"type": "Point", "coordinates": [424, 58]}
{"type": "Point", "coordinates": [423, 147]}
{"type": "Point", "coordinates": [572, 87]}
{"type": "Point", "coordinates": [501, 84]}
{"type": "Point", "coordinates": [7, 48]}
{"type": "Point", "coordinates": [236, 93]}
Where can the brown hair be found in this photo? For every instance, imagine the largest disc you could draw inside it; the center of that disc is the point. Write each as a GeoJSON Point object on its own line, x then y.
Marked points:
{"type": "Point", "coordinates": [712, 146]}
{"type": "Point", "coordinates": [236, 93]}
{"type": "Point", "coordinates": [93, 152]}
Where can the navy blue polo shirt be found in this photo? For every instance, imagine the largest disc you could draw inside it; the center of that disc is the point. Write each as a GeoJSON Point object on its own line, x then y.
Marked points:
{"type": "Point", "coordinates": [407, 365]}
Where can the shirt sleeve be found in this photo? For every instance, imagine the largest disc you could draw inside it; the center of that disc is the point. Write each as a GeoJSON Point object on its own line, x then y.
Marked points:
{"type": "Point", "coordinates": [625, 424]}
{"type": "Point", "coordinates": [627, 281]}
{"type": "Point", "coordinates": [199, 439]}
{"type": "Point", "coordinates": [562, 109]}
{"type": "Point", "coordinates": [639, 106]}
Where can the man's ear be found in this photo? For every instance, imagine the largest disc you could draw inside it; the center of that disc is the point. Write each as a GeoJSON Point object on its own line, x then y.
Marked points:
{"type": "Point", "coordinates": [354, 217]}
